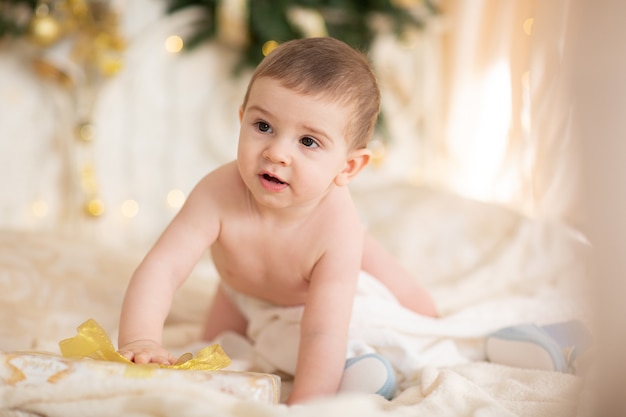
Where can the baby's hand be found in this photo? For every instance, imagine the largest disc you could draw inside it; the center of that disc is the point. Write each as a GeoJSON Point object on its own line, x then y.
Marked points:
{"type": "Point", "coordinates": [146, 351]}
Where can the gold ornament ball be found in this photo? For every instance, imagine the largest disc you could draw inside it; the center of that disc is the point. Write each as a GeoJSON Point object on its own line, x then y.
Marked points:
{"type": "Point", "coordinates": [44, 30]}
{"type": "Point", "coordinates": [94, 207]}
{"type": "Point", "coordinates": [85, 132]}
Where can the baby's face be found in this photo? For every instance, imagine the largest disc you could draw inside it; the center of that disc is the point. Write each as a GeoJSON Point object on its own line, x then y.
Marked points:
{"type": "Point", "coordinates": [292, 146]}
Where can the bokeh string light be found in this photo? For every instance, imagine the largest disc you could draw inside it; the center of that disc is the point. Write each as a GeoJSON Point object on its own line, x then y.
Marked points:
{"type": "Point", "coordinates": [249, 25]}
{"type": "Point", "coordinates": [77, 45]}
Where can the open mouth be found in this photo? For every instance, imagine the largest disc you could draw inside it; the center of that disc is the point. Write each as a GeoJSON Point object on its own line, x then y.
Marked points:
{"type": "Point", "coordinates": [275, 180]}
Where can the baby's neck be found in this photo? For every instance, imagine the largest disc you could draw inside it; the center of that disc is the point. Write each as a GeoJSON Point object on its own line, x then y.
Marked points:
{"type": "Point", "coordinates": [291, 216]}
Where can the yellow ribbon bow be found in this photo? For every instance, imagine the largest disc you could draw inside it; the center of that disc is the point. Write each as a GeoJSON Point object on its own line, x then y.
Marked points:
{"type": "Point", "coordinates": [93, 342]}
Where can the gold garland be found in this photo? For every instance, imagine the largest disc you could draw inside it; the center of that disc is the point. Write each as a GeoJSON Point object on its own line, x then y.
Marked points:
{"type": "Point", "coordinates": [78, 45]}
{"type": "Point", "coordinates": [91, 25]}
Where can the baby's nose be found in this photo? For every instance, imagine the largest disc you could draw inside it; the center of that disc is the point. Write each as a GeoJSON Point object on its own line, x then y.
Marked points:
{"type": "Point", "coordinates": [278, 152]}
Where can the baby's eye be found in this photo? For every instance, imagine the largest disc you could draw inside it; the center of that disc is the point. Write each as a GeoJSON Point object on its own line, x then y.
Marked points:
{"type": "Point", "coordinates": [308, 142]}
{"type": "Point", "coordinates": [263, 127]}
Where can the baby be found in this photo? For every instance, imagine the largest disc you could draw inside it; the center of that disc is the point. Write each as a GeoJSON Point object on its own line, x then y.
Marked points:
{"type": "Point", "coordinates": [279, 221]}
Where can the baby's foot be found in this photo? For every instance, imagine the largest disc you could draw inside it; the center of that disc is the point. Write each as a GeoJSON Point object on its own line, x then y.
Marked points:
{"type": "Point", "coordinates": [370, 373]}
{"type": "Point", "coordinates": [554, 347]}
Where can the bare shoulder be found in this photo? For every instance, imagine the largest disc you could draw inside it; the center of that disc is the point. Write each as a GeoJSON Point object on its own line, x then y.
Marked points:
{"type": "Point", "coordinates": [339, 219]}
{"type": "Point", "coordinates": [226, 174]}
{"type": "Point", "coordinates": [220, 185]}
{"type": "Point", "coordinates": [340, 206]}
{"type": "Point", "coordinates": [211, 198]}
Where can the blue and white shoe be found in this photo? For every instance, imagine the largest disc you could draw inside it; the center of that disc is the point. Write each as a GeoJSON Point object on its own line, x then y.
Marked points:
{"type": "Point", "coordinates": [553, 347]}
{"type": "Point", "coordinates": [370, 373]}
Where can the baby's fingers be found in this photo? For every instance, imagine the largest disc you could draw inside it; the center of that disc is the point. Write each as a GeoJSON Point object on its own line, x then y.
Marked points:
{"type": "Point", "coordinates": [153, 357]}
{"type": "Point", "coordinates": [146, 351]}
{"type": "Point", "coordinates": [127, 354]}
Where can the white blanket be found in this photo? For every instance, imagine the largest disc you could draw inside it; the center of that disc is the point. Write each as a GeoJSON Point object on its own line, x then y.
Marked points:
{"type": "Point", "coordinates": [477, 389]}
{"type": "Point", "coordinates": [379, 324]}
{"type": "Point", "coordinates": [486, 266]}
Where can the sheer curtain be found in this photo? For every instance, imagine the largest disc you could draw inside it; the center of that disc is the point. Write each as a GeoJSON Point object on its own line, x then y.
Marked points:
{"type": "Point", "coordinates": [506, 106]}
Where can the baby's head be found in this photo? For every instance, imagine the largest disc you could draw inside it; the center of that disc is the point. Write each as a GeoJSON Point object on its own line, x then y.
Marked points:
{"type": "Point", "coordinates": [331, 69]}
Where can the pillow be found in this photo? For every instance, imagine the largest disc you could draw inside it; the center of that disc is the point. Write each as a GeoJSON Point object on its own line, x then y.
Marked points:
{"type": "Point", "coordinates": [468, 252]}
{"type": "Point", "coordinates": [437, 235]}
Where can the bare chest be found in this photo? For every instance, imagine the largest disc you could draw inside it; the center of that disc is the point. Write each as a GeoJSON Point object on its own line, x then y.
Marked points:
{"type": "Point", "coordinates": [266, 262]}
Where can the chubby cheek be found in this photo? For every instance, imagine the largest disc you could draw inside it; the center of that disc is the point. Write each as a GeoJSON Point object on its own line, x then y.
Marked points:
{"type": "Point", "coordinates": [246, 161]}
{"type": "Point", "coordinates": [321, 180]}
{"type": "Point", "coordinates": [246, 150]}
{"type": "Point", "coordinates": [241, 152]}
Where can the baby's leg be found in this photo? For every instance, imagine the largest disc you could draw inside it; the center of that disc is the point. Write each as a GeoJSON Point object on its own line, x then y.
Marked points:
{"type": "Point", "coordinates": [379, 262]}
{"type": "Point", "coordinates": [223, 316]}
{"type": "Point", "coordinates": [370, 373]}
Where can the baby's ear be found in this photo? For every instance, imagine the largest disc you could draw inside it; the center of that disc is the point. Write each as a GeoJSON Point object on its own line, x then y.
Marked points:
{"type": "Point", "coordinates": [240, 113]}
{"type": "Point", "coordinates": [357, 160]}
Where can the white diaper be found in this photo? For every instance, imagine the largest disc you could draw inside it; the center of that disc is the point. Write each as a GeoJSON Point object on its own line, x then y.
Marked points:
{"type": "Point", "coordinates": [379, 324]}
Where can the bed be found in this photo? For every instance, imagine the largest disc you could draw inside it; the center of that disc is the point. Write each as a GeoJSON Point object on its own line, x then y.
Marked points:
{"type": "Point", "coordinates": [487, 267]}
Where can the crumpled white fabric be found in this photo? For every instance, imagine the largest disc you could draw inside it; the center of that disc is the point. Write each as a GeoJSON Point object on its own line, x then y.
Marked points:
{"type": "Point", "coordinates": [379, 324]}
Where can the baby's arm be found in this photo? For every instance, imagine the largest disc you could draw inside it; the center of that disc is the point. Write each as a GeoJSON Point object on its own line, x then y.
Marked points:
{"type": "Point", "coordinates": [324, 333]}
{"type": "Point", "coordinates": [378, 262]}
{"type": "Point", "coordinates": [166, 266]}
{"type": "Point", "coordinates": [328, 310]}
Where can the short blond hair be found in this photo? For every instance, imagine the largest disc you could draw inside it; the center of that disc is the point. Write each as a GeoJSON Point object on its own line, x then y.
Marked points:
{"type": "Point", "coordinates": [328, 67]}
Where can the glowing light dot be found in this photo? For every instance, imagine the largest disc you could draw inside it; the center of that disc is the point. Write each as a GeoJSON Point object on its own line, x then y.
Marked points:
{"type": "Point", "coordinates": [130, 208]}
{"type": "Point", "coordinates": [175, 198]}
{"type": "Point", "coordinates": [94, 207]}
{"type": "Point", "coordinates": [268, 47]}
{"type": "Point", "coordinates": [173, 44]}
{"type": "Point", "coordinates": [40, 208]}
{"type": "Point", "coordinates": [528, 26]}
{"type": "Point", "coordinates": [110, 66]}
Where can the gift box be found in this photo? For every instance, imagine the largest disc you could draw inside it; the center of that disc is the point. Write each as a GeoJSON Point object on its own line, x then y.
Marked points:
{"type": "Point", "coordinates": [30, 368]}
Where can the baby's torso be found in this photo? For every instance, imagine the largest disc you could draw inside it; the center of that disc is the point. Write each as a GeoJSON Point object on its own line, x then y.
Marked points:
{"type": "Point", "coordinates": [270, 260]}
{"type": "Point", "coordinates": [272, 256]}
{"type": "Point", "coordinates": [269, 265]}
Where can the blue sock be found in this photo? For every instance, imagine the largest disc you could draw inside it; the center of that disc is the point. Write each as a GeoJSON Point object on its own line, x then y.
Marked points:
{"type": "Point", "coordinates": [553, 347]}
{"type": "Point", "coordinates": [370, 373]}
